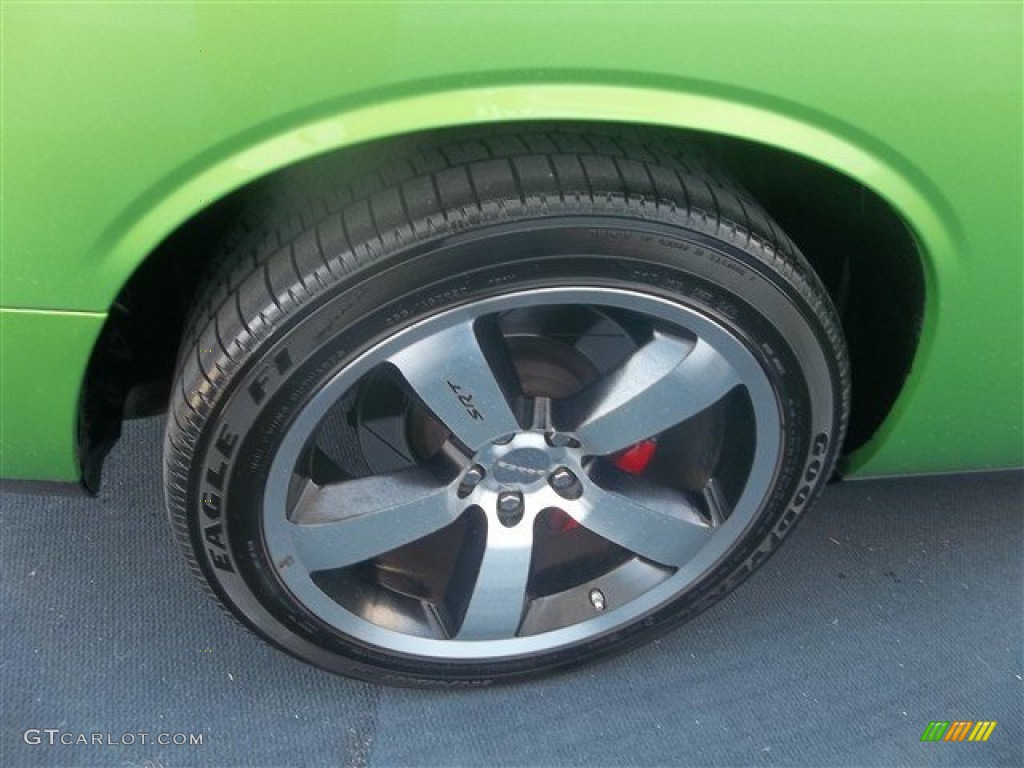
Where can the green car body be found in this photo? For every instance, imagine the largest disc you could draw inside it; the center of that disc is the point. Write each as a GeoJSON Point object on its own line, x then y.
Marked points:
{"type": "Point", "coordinates": [121, 123]}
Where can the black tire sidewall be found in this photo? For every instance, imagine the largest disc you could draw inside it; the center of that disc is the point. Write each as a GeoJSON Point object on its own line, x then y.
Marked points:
{"type": "Point", "coordinates": [730, 282]}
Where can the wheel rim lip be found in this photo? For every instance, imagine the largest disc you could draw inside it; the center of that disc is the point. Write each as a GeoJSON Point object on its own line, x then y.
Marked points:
{"type": "Point", "coordinates": [767, 453]}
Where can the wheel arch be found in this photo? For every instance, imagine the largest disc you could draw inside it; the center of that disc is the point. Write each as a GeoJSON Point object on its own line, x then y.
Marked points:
{"type": "Point", "coordinates": [825, 159]}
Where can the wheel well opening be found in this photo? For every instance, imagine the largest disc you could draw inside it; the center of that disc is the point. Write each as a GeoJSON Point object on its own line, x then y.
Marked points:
{"type": "Point", "coordinates": [860, 247]}
{"type": "Point", "coordinates": [866, 256]}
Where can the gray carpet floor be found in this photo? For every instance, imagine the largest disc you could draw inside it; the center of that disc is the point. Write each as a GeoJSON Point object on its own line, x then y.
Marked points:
{"type": "Point", "coordinates": [893, 604]}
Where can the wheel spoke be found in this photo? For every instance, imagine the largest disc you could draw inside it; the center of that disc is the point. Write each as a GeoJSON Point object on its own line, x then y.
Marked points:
{"type": "Point", "coordinates": [665, 382]}
{"type": "Point", "coordinates": [463, 375]}
{"type": "Point", "coordinates": [654, 522]}
{"type": "Point", "coordinates": [338, 525]}
{"type": "Point", "coordinates": [498, 599]}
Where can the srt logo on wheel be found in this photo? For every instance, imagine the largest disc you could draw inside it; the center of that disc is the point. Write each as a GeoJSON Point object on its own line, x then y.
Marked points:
{"type": "Point", "coordinates": [466, 399]}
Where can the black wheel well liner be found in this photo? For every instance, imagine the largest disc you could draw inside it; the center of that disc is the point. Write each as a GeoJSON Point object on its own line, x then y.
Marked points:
{"type": "Point", "coordinates": [859, 245]}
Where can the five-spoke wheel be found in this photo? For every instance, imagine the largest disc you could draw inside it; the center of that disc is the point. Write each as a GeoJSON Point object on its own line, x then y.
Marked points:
{"type": "Point", "coordinates": [513, 414]}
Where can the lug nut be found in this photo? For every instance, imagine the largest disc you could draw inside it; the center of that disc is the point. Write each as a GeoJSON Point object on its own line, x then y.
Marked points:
{"type": "Point", "coordinates": [509, 501]}
{"type": "Point", "coordinates": [561, 479]}
{"type": "Point", "coordinates": [471, 480]}
{"type": "Point", "coordinates": [565, 483]}
{"type": "Point", "coordinates": [597, 599]}
{"type": "Point", "coordinates": [510, 508]}
{"type": "Point", "coordinates": [561, 440]}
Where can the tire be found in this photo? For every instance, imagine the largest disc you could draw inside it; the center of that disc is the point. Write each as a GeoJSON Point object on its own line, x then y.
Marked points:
{"type": "Point", "coordinates": [500, 406]}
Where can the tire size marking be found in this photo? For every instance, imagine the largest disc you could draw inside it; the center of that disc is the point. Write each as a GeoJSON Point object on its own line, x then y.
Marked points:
{"type": "Point", "coordinates": [618, 234]}
{"type": "Point", "coordinates": [727, 263]}
{"type": "Point", "coordinates": [709, 299]}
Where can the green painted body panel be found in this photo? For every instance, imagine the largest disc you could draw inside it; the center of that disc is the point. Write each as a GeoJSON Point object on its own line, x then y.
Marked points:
{"type": "Point", "coordinates": [121, 121]}
{"type": "Point", "coordinates": [42, 360]}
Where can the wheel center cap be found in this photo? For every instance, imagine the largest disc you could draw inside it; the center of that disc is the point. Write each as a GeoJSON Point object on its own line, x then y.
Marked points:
{"type": "Point", "coordinates": [522, 466]}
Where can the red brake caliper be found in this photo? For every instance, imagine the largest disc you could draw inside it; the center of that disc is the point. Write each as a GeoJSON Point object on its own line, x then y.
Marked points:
{"type": "Point", "coordinates": [636, 458]}
{"type": "Point", "coordinates": [633, 460]}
